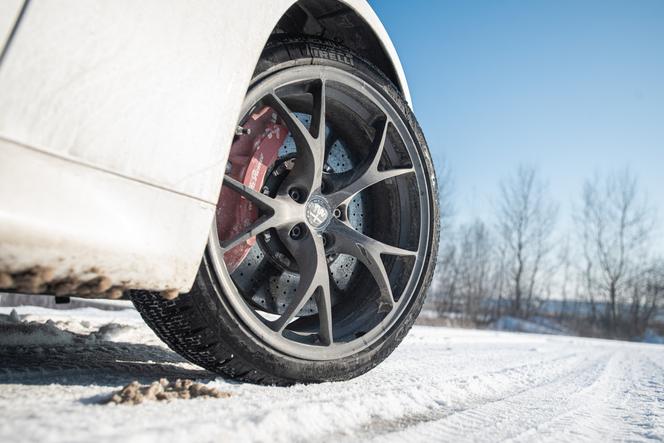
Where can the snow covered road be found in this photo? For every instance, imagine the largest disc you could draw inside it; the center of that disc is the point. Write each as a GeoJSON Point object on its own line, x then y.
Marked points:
{"type": "Point", "coordinates": [440, 385]}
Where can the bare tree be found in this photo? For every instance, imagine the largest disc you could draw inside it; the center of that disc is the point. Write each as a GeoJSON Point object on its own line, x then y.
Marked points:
{"type": "Point", "coordinates": [616, 225]}
{"type": "Point", "coordinates": [444, 286]}
{"type": "Point", "coordinates": [646, 293]}
{"type": "Point", "coordinates": [520, 267]}
{"type": "Point", "coordinates": [526, 218]}
{"type": "Point", "coordinates": [565, 266]}
{"type": "Point", "coordinates": [500, 278]}
{"type": "Point", "coordinates": [475, 268]}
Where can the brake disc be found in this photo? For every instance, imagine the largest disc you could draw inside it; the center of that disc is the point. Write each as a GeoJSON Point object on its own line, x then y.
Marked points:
{"type": "Point", "coordinates": [255, 262]}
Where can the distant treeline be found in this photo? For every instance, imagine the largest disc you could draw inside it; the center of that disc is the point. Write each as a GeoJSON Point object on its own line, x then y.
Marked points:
{"type": "Point", "coordinates": [604, 274]}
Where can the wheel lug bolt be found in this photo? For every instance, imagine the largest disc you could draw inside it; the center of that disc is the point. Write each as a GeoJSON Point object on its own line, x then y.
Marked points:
{"type": "Point", "coordinates": [295, 194]}
{"type": "Point", "coordinates": [296, 232]}
{"type": "Point", "coordinates": [337, 213]}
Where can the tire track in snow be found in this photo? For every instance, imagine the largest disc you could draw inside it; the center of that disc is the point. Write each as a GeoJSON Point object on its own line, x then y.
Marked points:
{"type": "Point", "coordinates": [617, 396]}
{"type": "Point", "coordinates": [341, 405]}
{"type": "Point", "coordinates": [641, 399]}
{"type": "Point", "coordinates": [465, 394]}
{"type": "Point", "coordinates": [501, 418]}
{"type": "Point", "coordinates": [375, 398]}
{"type": "Point", "coordinates": [584, 416]}
{"type": "Point", "coordinates": [626, 403]}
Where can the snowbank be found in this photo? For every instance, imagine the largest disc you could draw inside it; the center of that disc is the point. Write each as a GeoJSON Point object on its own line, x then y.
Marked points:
{"type": "Point", "coordinates": [34, 330]}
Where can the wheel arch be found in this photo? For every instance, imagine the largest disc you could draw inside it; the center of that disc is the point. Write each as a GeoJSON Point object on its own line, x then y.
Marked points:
{"type": "Point", "coordinates": [351, 23]}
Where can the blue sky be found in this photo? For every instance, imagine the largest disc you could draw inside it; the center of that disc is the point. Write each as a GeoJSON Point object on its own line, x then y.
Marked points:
{"type": "Point", "coordinates": [571, 87]}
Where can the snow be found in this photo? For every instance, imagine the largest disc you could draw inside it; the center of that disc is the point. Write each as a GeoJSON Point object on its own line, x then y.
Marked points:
{"type": "Point", "coordinates": [441, 384]}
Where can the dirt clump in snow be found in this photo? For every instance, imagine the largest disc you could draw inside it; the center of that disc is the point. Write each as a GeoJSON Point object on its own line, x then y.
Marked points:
{"type": "Point", "coordinates": [163, 390]}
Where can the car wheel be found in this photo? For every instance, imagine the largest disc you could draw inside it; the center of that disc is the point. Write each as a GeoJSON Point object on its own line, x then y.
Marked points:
{"type": "Point", "coordinates": [326, 231]}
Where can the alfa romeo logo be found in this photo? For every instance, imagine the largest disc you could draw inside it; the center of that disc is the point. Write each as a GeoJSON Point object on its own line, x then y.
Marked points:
{"type": "Point", "coordinates": [318, 212]}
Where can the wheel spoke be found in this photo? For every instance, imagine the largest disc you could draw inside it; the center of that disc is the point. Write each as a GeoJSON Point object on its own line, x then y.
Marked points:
{"type": "Point", "coordinates": [318, 122]}
{"type": "Point", "coordinates": [368, 251]}
{"type": "Point", "coordinates": [367, 174]}
{"type": "Point", "coordinates": [324, 304]}
{"type": "Point", "coordinates": [276, 214]}
{"type": "Point", "coordinates": [297, 129]}
{"type": "Point", "coordinates": [317, 149]}
{"type": "Point", "coordinates": [261, 225]}
{"type": "Point", "coordinates": [309, 253]}
{"type": "Point", "coordinates": [263, 201]}
{"type": "Point", "coordinates": [308, 170]}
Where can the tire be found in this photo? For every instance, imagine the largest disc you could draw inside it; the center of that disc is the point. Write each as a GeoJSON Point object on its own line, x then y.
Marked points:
{"type": "Point", "coordinates": [212, 326]}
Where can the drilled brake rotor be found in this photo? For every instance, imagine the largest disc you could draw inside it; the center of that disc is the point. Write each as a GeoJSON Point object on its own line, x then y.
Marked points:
{"type": "Point", "coordinates": [261, 158]}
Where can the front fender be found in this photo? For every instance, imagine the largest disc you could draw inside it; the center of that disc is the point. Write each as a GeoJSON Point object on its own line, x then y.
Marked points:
{"type": "Point", "coordinates": [123, 101]}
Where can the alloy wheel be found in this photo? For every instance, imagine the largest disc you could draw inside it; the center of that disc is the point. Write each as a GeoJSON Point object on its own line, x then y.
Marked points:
{"type": "Point", "coordinates": [320, 252]}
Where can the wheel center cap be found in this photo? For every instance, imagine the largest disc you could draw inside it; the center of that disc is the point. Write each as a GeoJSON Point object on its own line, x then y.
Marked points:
{"type": "Point", "coordinates": [318, 212]}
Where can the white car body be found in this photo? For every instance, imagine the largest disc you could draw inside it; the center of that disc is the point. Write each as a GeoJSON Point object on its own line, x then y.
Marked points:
{"type": "Point", "coordinates": [116, 118]}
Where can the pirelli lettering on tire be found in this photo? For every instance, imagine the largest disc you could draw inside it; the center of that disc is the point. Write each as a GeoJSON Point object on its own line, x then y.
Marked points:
{"type": "Point", "coordinates": [332, 55]}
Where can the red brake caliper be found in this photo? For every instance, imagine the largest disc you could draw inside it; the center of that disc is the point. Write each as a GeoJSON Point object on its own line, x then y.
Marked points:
{"type": "Point", "coordinates": [250, 157]}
